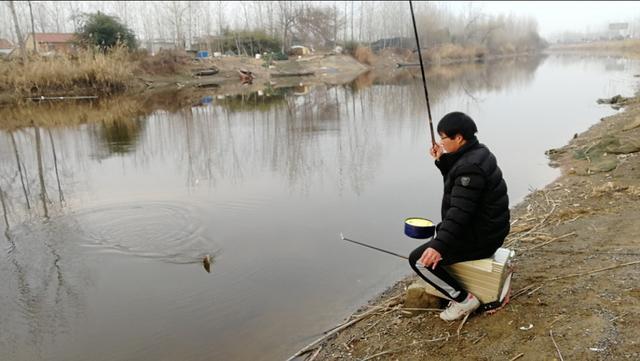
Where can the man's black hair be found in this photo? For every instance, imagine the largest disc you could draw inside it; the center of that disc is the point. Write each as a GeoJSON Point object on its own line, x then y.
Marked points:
{"type": "Point", "coordinates": [457, 123]}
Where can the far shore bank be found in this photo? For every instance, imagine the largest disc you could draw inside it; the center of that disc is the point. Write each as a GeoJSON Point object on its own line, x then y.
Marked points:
{"type": "Point", "coordinates": [629, 48]}
{"type": "Point", "coordinates": [117, 73]}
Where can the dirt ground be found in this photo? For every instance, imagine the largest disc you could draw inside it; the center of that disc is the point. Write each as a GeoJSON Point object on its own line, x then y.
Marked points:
{"type": "Point", "coordinates": [585, 221]}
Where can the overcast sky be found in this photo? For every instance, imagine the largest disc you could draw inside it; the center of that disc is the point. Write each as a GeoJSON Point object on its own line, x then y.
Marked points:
{"type": "Point", "coordinates": [558, 16]}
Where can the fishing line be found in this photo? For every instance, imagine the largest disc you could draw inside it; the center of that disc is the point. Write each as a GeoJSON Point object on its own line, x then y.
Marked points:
{"type": "Point", "coordinates": [424, 79]}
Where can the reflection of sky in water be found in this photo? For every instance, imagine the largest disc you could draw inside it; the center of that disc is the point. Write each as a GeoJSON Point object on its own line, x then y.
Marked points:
{"type": "Point", "coordinates": [266, 182]}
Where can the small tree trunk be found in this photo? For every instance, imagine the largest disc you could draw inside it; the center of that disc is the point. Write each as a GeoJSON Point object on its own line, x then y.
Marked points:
{"type": "Point", "coordinates": [24, 188]}
{"type": "Point", "coordinates": [4, 210]}
{"type": "Point", "coordinates": [55, 163]}
{"type": "Point", "coordinates": [12, 8]}
{"type": "Point", "coordinates": [43, 189]}
{"type": "Point", "coordinates": [284, 39]}
{"type": "Point", "coordinates": [33, 28]}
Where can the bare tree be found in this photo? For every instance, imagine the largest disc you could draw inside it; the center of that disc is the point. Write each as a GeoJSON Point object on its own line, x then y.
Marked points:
{"type": "Point", "coordinates": [352, 37]}
{"type": "Point", "coordinates": [59, 18]}
{"type": "Point", "coordinates": [12, 8]}
{"type": "Point", "coordinates": [41, 17]}
{"type": "Point", "coordinates": [246, 14]}
{"type": "Point", "coordinates": [175, 15]}
{"type": "Point", "coordinates": [272, 29]}
{"type": "Point", "coordinates": [221, 6]}
{"type": "Point", "coordinates": [360, 19]}
{"type": "Point", "coordinates": [289, 13]}
{"type": "Point", "coordinates": [147, 24]}
{"type": "Point", "coordinates": [317, 25]}
{"type": "Point", "coordinates": [75, 14]}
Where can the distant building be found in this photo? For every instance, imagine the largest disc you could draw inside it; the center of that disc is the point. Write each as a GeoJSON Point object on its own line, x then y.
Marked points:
{"type": "Point", "coordinates": [52, 42]}
{"type": "Point", "coordinates": [6, 47]}
{"type": "Point", "coordinates": [618, 31]}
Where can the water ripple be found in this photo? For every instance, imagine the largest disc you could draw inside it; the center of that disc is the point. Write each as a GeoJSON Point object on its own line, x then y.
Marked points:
{"type": "Point", "coordinates": [166, 231]}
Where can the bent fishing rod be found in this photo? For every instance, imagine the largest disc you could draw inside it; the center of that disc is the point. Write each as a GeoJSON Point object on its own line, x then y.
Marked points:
{"type": "Point", "coordinates": [424, 79]}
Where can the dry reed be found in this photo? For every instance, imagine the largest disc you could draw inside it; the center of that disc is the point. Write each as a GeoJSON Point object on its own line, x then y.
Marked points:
{"type": "Point", "coordinates": [447, 53]}
{"type": "Point", "coordinates": [78, 73]}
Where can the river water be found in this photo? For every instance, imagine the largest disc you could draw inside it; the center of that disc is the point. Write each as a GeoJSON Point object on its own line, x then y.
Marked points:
{"type": "Point", "coordinates": [109, 267]}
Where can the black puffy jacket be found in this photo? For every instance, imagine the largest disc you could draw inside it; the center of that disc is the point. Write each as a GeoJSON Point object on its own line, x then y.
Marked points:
{"type": "Point", "coordinates": [475, 205]}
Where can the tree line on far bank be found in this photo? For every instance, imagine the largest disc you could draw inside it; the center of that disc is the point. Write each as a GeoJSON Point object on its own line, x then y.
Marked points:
{"type": "Point", "coordinates": [256, 26]}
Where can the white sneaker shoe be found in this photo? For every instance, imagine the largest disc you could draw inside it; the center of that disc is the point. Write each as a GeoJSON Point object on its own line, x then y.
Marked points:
{"type": "Point", "coordinates": [457, 310]}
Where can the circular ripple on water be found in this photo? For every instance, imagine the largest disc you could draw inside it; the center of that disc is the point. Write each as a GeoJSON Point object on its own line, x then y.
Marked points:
{"type": "Point", "coordinates": [156, 230]}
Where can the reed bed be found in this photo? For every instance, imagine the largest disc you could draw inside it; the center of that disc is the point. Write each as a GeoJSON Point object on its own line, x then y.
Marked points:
{"type": "Point", "coordinates": [87, 70]}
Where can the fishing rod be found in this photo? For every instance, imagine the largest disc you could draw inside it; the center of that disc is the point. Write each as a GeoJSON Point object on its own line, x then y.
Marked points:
{"type": "Point", "coordinates": [372, 247]}
{"type": "Point", "coordinates": [424, 79]}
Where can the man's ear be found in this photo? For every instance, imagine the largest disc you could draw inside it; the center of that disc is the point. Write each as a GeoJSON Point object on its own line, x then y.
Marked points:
{"type": "Point", "coordinates": [458, 138]}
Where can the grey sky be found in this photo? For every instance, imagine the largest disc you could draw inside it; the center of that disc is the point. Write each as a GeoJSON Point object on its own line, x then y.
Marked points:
{"type": "Point", "coordinates": [558, 16]}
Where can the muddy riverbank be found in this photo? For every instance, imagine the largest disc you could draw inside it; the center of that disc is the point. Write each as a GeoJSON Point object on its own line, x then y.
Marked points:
{"type": "Point", "coordinates": [575, 289]}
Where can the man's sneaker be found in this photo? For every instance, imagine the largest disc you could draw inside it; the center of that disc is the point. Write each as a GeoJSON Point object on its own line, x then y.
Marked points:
{"type": "Point", "coordinates": [456, 310]}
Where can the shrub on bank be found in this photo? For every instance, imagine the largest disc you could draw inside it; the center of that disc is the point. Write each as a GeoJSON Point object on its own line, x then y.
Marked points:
{"type": "Point", "coordinates": [364, 55]}
{"type": "Point", "coordinates": [166, 61]}
{"type": "Point", "coordinates": [361, 53]}
{"type": "Point", "coordinates": [349, 47]}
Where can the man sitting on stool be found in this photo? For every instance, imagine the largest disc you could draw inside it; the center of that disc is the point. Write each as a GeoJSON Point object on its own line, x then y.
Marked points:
{"type": "Point", "coordinates": [475, 212]}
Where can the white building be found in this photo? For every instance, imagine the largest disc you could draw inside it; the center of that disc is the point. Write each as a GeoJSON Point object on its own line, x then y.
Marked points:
{"type": "Point", "coordinates": [618, 31]}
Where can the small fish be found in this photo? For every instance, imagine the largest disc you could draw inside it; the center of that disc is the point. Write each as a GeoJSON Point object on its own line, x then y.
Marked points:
{"type": "Point", "coordinates": [206, 262]}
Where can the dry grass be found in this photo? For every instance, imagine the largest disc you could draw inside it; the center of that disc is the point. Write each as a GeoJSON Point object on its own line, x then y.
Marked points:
{"type": "Point", "coordinates": [453, 52]}
{"type": "Point", "coordinates": [97, 72]}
